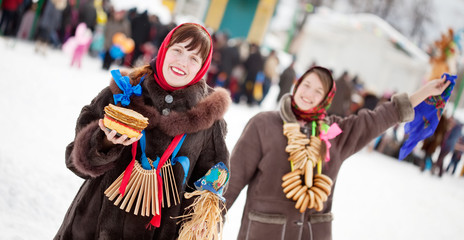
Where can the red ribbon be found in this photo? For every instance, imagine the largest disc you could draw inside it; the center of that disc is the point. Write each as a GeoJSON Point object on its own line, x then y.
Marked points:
{"type": "Point", "coordinates": [156, 220]}
{"type": "Point", "coordinates": [127, 173]}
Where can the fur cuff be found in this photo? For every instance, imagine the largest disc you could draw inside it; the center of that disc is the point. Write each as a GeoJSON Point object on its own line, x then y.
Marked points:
{"type": "Point", "coordinates": [83, 152]}
{"type": "Point", "coordinates": [404, 107]}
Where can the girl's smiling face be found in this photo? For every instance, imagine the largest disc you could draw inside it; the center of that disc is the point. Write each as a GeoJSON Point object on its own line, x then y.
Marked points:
{"type": "Point", "coordinates": [181, 65]}
{"type": "Point", "coordinates": [309, 93]}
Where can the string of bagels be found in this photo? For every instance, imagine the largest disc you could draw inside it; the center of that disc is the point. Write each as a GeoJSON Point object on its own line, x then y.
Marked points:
{"type": "Point", "coordinates": [301, 185]}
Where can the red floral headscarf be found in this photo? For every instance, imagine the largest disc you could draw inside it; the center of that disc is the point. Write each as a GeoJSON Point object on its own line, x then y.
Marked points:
{"type": "Point", "coordinates": [159, 77]}
{"type": "Point", "coordinates": [320, 111]}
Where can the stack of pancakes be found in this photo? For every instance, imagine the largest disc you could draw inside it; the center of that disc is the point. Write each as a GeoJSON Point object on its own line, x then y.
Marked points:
{"type": "Point", "coordinates": [124, 120]}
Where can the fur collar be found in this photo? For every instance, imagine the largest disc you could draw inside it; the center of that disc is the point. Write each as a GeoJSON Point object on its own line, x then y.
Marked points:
{"type": "Point", "coordinates": [193, 109]}
{"type": "Point", "coordinates": [285, 107]}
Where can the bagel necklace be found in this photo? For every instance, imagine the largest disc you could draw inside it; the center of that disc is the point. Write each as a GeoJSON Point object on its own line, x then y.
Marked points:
{"type": "Point", "coordinates": [300, 185]}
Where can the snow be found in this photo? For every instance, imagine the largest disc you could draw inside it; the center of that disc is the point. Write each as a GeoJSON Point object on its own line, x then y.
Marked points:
{"type": "Point", "coordinates": [376, 197]}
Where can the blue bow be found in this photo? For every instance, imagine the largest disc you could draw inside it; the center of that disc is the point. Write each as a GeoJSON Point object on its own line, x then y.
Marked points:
{"type": "Point", "coordinates": [128, 90]}
{"type": "Point", "coordinates": [143, 159]}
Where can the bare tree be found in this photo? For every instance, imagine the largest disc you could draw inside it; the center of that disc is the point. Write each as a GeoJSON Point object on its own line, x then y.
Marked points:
{"type": "Point", "coordinates": [408, 17]}
{"type": "Point", "coordinates": [379, 8]}
{"type": "Point", "coordinates": [384, 8]}
{"type": "Point", "coordinates": [422, 10]}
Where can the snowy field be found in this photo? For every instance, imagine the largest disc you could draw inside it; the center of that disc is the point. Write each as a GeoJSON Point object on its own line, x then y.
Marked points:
{"type": "Point", "coordinates": [376, 197]}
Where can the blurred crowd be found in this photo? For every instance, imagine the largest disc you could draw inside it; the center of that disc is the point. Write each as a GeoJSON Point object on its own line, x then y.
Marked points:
{"type": "Point", "coordinates": [130, 38]}
{"type": "Point", "coordinates": [118, 36]}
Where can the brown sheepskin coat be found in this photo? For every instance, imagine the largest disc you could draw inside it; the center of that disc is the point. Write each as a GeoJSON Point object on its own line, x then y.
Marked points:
{"type": "Point", "coordinates": [259, 160]}
{"type": "Point", "coordinates": [197, 110]}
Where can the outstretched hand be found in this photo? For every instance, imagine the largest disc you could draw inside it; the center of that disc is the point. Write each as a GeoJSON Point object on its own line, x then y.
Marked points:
{"type": "Point", "coordinates": [437, 86]}
{"type": "Point", "coordinates": [111, 136]}
{"type": "Point", "coordinates": [431, 88]}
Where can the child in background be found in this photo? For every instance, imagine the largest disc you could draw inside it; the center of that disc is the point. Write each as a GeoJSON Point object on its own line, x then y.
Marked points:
{"type": "Point", "coordinates": [78, 45]}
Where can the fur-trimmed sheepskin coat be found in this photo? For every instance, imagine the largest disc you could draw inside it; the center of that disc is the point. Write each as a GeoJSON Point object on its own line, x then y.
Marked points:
{"type": "Point", "coordinates": [197, 110]}
{"type": "Point", "coordinates": [259, 160]}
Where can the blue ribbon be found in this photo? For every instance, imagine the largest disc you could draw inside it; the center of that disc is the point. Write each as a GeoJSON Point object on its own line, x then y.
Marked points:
{"type": "Point", "coordinates": [143, 159]}
{"type": "Point", "coordinates": [184, 161]}
{"type": "Point", "coordinates": [128, 90]}
{"type": "Point", "coordinates": [426, 117]}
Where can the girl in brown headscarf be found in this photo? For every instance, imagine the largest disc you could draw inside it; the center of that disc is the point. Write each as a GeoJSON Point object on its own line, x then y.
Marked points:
{"type": "Point", "coordinates": [290, 158]}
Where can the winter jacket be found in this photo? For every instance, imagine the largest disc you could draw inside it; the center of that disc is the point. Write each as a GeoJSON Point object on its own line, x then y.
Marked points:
{"type": "Point", "coordinates": [88, 15]}
{"type": "Point", "coordinates": [196, 110]}
{"type": "Point", "coordinates": [253, 65]}
{"type": "Point", "coordinates": [51, 17]}
{"type": "Point", "coordinates": [140, 28]}
{"type": "Point", "coordinates": [11, 5]}
{"type": "Point", "coordinates": [259, 160]}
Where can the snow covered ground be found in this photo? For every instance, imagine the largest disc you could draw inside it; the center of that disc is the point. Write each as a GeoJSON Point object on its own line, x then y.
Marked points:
{"type": "Point", "coordinates": [376, 197]}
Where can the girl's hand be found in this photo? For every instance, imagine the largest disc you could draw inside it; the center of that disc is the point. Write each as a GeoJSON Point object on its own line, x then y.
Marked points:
{"type": "Point", "coordinates": [437, 86]}
{"type": "Point", "coordinates": [111, 136]}
{"type": "Point", "coordinates": [431, 88]}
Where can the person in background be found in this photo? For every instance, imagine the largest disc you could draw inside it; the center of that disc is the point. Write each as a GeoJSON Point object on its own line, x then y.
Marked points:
{"type": "Point", "coordinates": [117, 23]}
{"type": "Point", "coordinates": [88, 14]}
{"type": "Point", "coordinates": [229, 59]}
{"type": "Point", "coordinates": [449, 141]}
{"type": "Point", "coordinates": [9, 11]}
{"type": "Point", "coordinates": [49, 23]}
{"type": "Point", "coordinates": [140, 29]}
{"type": "Point", "coordinates": [430, 144]}
{"type": "Point", "coordinates": [457, 154]}
{"type": "Point", "coordinates": [290, 158]}
{"type": "Point", "coordinates": [342, 99]}
{"type": "Point", "coordinates": [287, 79]}
{"type": "Point", "coordinates": [271, 72]}
{"type": "Point", "coordinates": [253, 65]}
{"type": "Point", "coordinates": [26, 22]}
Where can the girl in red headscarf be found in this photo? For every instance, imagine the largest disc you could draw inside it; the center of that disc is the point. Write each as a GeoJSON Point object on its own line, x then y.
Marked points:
{"type": "Point", "coordinates": [290, 158]}
{"type": "Point", "coordinates": [171, 92]}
